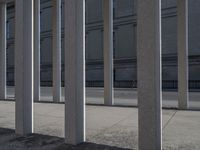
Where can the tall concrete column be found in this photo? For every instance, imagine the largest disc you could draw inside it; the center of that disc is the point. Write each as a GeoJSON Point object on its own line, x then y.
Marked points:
{"type": "Point", "coordinates": [149, 74]}
{"type": "Point", "coordinates": [36, 50]}
{"type": "Point", "coordinates": [182, 28]}
{"type": "Point", "coordinates": [108, 51]}
{"type": "Point", "coordinates": [2, 50]}
{"type": "Point", "coordinates": [74, 71]}
{"type": "Point", "coordinates": [24, 66]}
{"type": "Point", "coordinates": [56, 50]}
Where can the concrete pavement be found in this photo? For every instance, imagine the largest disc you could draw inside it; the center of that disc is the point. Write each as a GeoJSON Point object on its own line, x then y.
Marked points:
{"type": "Point", "coordinates": [113, 126]}
{"type": "Point", "coordinates": [123, 97]}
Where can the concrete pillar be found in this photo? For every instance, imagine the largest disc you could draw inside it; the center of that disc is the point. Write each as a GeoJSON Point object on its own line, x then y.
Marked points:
{"type": "Point", "coordinates": [74, 71]}
{"type": "Point", "coordinates": [149, 74]}
{"type": "Point", "coordinates": [24, 66]}
{"type": "Point", "coordinates": [36, 50]}
{"type": "Point", "coordinates": [2, 50]}
{"type": "Point", "coordinates": [56, 50]}
{"type": "Point", "coordinates": [182, 28]}
{"type": "Point", "coordinates": [108, 51]}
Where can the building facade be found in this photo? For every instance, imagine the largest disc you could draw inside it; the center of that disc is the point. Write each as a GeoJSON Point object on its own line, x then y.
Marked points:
{"type": "Point", "coordinates": [125, 23]}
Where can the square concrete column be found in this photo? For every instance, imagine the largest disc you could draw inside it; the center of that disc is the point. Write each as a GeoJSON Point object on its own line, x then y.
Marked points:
{"type": "Point", "coordinates": [24, 66]}
{"type": "Point", "coordinates": [182, 28]}
{"type": "Point", "coordinates": [36, 50]}
{"type": "Point", "coordinates": [74, 71]}
{"type": "Point", "coordinates": [149, 74]}
{"type": "Point", "coordinates": [108, 51]}
{"type": "Point", "coordinates": [56, 29]}
{"type": "Point", "coordinates": [2, 50]}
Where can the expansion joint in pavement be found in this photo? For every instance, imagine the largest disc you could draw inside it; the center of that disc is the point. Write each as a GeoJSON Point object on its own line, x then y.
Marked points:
{"type": "Point", "coordinates": [170, 119]}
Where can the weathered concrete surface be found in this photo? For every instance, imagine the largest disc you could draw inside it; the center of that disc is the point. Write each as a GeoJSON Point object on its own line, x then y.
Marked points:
{"type": "Point", "coordinates": [114, 126]}
{"type": "Point", "coordinates": [182, 50]}
{"type": "Point", "coordinates": [149, 76]}
{"type": "Point", "coordinates": [108, 51]}
{"type": "Point", "coordinates": [36, 90]}
{"type": "Point", "coordinates": [23, 60]}
{"type": "Point", "coordinates": [74, 71]}
{"type": "Point", "coordinates": [56, 48]}
{"type": "Point", "coordinates": [42, 142]}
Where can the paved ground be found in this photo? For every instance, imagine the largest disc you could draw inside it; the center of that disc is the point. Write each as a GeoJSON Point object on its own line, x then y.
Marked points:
{"type": "Point", "coordinates": [127, 97]}
{"type": "Point", "coordinates": [113, 126]}
{"type": "Point", "coordinates": [10, 141]}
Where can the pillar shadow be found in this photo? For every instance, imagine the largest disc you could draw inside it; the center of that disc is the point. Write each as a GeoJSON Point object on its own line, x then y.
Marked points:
{"type": "Point", "coordinates": [11, 141]}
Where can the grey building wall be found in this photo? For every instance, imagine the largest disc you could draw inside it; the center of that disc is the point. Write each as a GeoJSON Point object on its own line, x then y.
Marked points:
{"type": "Point", "coordinates": [125, 24]}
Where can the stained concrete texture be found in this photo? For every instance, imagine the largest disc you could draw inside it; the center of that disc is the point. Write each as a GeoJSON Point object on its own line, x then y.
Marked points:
{"type": "Point", "coordinates": [116, 127]}
{"type": "Point", "coordinates": [10, 141]}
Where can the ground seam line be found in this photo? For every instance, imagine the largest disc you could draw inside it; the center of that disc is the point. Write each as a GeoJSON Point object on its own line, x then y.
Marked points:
{"type": "Point", "coordinates": [111, 126]}
{"type": "Point", "coordinates": [169, 119]}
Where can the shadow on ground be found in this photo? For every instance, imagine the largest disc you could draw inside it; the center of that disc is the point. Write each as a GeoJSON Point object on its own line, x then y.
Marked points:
{"type": "Point", "coordinates": [10, 141]}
